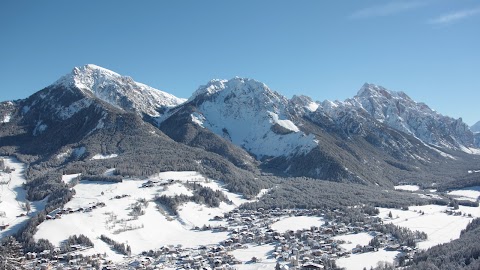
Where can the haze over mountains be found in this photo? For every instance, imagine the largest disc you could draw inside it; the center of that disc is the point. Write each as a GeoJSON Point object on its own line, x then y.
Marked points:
{"type": "Point", "coordinates": [377, 137]}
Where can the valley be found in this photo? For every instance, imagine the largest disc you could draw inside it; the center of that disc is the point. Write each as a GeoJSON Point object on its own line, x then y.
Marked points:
{"type": "Point", "coordinates": [102, 172]}
{"type": "Point", "coordinates": [226, 235]}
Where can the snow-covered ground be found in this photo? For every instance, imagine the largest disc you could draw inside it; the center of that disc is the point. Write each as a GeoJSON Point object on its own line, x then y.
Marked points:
{"type": "Point", "coordinates": [13, 198]}
{"type": "Point", "coordinates": [369, 259]}
{"type": "Point", "coordinates": [407, 187]}
{"type": "Point", "coordinates": [100, 156]}
{"type": "Point", "coordinates": [67, 178]}
{"type": "Point", "coordinates": [261, 252]}
{"type": "Point", "coordinates": [439, 226]}
{"type": "Point", "coordinates": [352, 240]}
{"type": "Point", "coordinates": [470, 194]}
{"type": "Point", "coordinates": [297, 223]}
{"type": "Point", "coordinates": [152, 230]}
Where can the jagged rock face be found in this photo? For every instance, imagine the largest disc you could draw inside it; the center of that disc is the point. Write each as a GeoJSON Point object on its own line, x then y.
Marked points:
{"type": "Point", "coordinates": [399, 111]}
{"type": "Point", "coordinates": [120, 91]}
{"type": "Point", "coordinates": [251, 116]}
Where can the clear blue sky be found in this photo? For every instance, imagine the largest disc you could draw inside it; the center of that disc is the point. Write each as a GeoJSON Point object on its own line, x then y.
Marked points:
{"type": "Point", "coordinates": [429, 49]}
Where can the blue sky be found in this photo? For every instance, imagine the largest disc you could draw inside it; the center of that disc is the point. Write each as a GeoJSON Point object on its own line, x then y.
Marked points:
{"type": "Point", "coordinates": [323, 49]}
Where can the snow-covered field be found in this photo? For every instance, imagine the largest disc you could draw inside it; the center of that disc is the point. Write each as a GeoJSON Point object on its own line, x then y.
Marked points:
{"type": "Point", "coordinates": [152, 230]}
{"type": "Point", "coordinates": [262, 252]}
{"type": "Point", "coordinates": [470, 194]}
{"type": "Point", "coordinates": [13, 198]}
{"type": "Point", "coordinates": [352, 240]}
{"type": "Point", "coordinates": [407, 187]}
{"type": "Point", "coordinates": [297, 223]}
{"type": "Point", "coordinates": [369, 259]}
{"type": "Point", "coordinates": [439, 226]}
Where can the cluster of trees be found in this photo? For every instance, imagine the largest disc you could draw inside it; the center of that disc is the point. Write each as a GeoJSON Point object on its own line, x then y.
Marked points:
{"type": "Point", "coordinates": [462, 253]}
{"type": "Point", "coordinates": [103, 178]}
{"type": "Point", "coordinates": [308, 193]}
{"type": "Point", "coordinates": [405, 236]}
{"type": "Point", "coordinates": [137, 209]}
{"type": "Point", "coordinates": [201, 195]}
{"type": "Point", "coordinates": [77, 240]}
{"type": "Point", "coordinates": [118, 247]}
{"type": "Point", "coordinates": [11, 254]}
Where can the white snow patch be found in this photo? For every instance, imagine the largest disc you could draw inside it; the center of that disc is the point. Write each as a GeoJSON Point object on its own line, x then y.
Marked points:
{"type": "Point", "coordinates": [13, 198]}
{"type": "Point", "coordinates": [469, 150]}
{"type": "Point", "coordinates": [198, 118]}
{"type": "Point", "coordinates": [261, 252]}
{"type": "Point", "coordinates": [67, 178]}
{"type": "Point", "coordinates": [370, 259]}
{"type": "Point", "coordinates": [67, 112]}
{"type": "Point", "coordinates": [109, 172]}
{"type": "Point", "coordinates": [175, 190]}
{"type": "Point", "coordinates": [352, 240]}
{"type": "Point", "coordinates": [194, 214]}
{"type": "Point", "coordinates": [313, 106]}
{"type": "Point", "coordinates": [297, 223]}
{"type": "Point", "coordinates": [470, 193]}
{"type": "Point", "coordinates": [284, 123]}
{"type": "Point", "coordinates": [65, 154]}
{"type": "Point", "coordinates": [100, 156]}
{"type": "Point", "coordinates": [443, 154]}
{"type": "Point", "coordinates": [407, 187]}
{"type": "Point", "coordinates": [6, 118]}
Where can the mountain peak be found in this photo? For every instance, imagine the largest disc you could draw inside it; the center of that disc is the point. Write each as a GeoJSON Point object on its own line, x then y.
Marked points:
{"type": "Point", "coordinates": [120, 91]}
{"type": "Point", "coordinates": [237, 85]}
{"type": "Point", "coordinates": [476, 127]}
{"type": "Point", "coordinates": [373, 90]}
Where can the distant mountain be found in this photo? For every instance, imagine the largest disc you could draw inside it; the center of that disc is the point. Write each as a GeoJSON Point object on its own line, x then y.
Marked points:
{"type": "Point", "coordinates": [236, 130]}
{"type": "Point", "coordinates": [476, 127]}
{"type": "Point", "coordinates": [399, 111]}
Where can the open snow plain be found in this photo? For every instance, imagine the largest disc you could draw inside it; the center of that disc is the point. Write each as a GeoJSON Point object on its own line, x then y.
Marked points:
{"type": "Point", "coordinates": [153, 229]}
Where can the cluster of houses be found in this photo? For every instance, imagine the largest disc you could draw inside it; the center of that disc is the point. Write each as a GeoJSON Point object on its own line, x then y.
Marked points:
{"type": "Point", "coordinates": [59, 212]}
{"type": "Point", "coordinates": [72, 260]}
{"type": "Point", "coordinates": [311, 248]}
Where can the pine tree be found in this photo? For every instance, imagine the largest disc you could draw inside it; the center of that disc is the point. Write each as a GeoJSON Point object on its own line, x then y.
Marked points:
{"type": "Point", "coordinates": [10, 254]}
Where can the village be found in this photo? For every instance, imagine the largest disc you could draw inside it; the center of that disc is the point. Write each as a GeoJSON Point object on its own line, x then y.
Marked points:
{"type": "Point", "coordinates": [314, 247]}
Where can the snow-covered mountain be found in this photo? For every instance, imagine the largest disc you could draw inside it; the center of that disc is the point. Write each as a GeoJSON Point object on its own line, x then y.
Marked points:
{"type": "Point", "coordinates": [240, 122]}
{"type": "Point", "coordinates": [120, 91]}
{"type": "Point", "coordinates": [252, 116]}
{"type": "Point", "coordinates": [399, 111]}
{"type": "Point", "coordinates": [476, 127]}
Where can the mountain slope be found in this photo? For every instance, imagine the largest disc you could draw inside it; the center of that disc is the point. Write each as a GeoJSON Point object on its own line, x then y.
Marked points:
{"type": "Point", "coordinates": [120, 91]}
{"type": "Point", "coordinates": [252, 116]}
{"type": "Point", "coordinates": [64, 127]}
{"type": "Point", "coordinates": [399, 111]}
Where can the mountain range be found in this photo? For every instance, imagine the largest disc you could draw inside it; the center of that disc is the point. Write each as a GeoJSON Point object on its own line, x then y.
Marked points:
{"type": "Point", "coordinates": [233, 129]}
